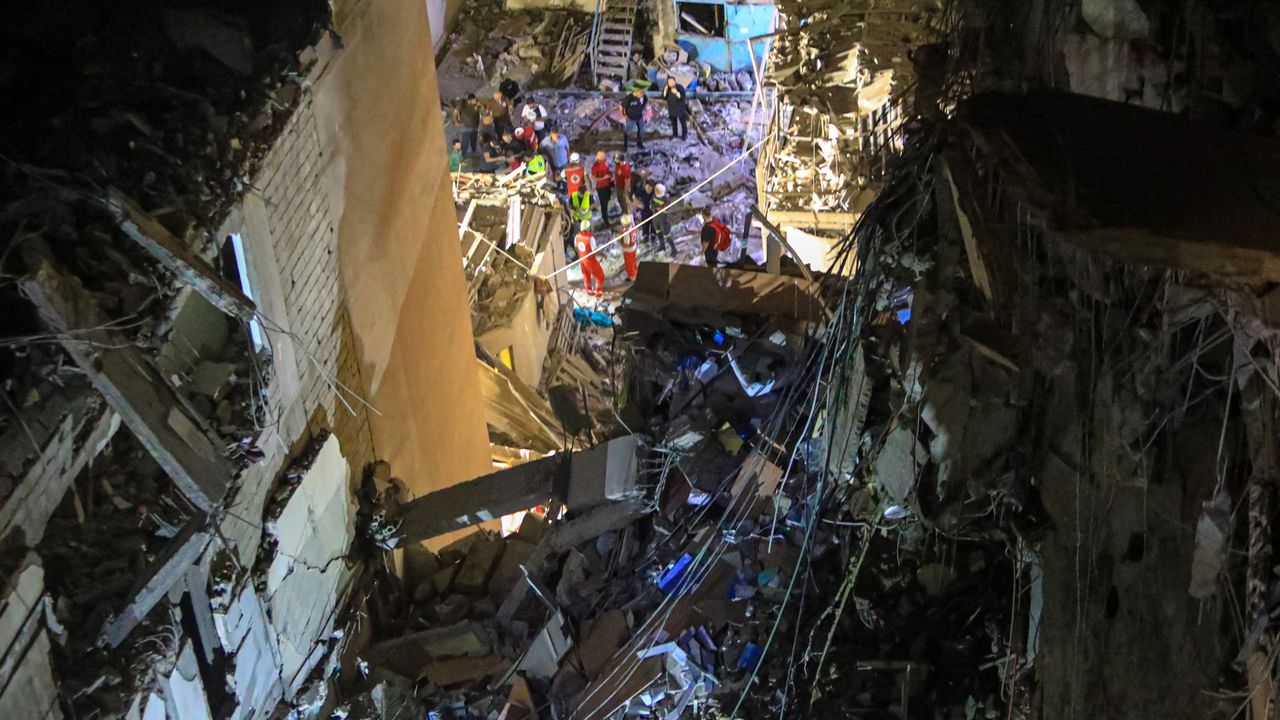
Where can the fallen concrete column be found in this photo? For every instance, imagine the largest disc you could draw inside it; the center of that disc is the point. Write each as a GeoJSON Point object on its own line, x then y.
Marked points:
{"type": "Point", "coordinates": [582, 480]}
{"type": "Point", "coordinates": [168, 569]}
{"type": "Point", "coordinates": [162, 421]}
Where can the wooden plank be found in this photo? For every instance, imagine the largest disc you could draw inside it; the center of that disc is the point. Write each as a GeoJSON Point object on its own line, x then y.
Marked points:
{"type": "Point", "coordinates": [172, 254]}
{"type": "Point", "coordinates": [149, 406]}
{"type": "Point", "coordinates": [168, 569]}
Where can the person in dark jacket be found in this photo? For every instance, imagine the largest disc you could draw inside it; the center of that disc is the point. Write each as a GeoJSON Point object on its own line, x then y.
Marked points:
{"type": "Point", "coordinates": [633, 108]}
{"type": "Point", "coordinates": [643, 194]}
{"type": "Point", "coordinates": [677, 108]}
{"type": "Point", "coordinates": [467, 117]}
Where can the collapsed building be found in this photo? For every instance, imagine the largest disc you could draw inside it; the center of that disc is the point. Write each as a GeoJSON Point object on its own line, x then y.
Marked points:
{"type": "Point", "coordinates": [976, 421]}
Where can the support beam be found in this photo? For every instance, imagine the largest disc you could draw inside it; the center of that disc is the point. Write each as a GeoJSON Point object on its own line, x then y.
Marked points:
{"type": "Point", "coordinates": [149, 406]}
{"type": "Point", "coordinates": [485, 498]}
{"type": "Point", "coordinates": [581, 480]}
{"type": "Point", "coordinates": [772, 230]}
{"type": "Point", "coordinates": [172, 254]}
{"type": "Point", "coordinates": [168, 569]}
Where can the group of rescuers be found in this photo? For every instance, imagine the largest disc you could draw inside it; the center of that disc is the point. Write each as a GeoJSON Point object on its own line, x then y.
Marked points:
{"type": "Point", "coordinates": [502, 138]}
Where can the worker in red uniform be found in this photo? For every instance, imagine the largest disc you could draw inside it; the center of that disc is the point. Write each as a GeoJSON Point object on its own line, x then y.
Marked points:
{"type": "Point", "coordinates": [574, 174]}
{"type": "Point", "coordinates": [526, 136]}
{"type": "Point", "coordinates": [592, 273]}
{"type": "Point", "coordinates": [629, 247]}
{"type": "Point", "coordinates": [715, 239]}
{"type": "Point", "coordinates": [622, 182]}
{"type": "Point", "coordinates": [602, 178]}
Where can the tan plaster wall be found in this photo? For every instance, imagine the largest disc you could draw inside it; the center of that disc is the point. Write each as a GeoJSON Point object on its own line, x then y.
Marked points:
{"type": "Point", "coordinates": [401, 266]}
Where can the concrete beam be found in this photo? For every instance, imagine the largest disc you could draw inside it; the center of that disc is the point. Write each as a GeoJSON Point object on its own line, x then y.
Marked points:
{"type": "Point", "coordinates": [148, 405]}
{"type": "Point", "coordinates": [581, 480]}
{"type": "Point", "coordinates": [485, 498]}
{"type": "Point", "coordinates": [174, 255]}
{"type": "Point", "coordinates": [170, 568]}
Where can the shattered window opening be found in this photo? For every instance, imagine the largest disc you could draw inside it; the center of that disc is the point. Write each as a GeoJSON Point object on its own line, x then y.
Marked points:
{"type": "Point", "coordinates": [235, 247]}
{"type": "Point", "coordinates": [698, 18]}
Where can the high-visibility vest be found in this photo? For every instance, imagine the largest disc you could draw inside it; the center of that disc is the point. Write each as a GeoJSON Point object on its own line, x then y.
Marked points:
{"type": "Point", "coordinates": [582, 242]}
{"type": "Point", "coordinates": [581, 203]}
{"type": "Point", "coordinates": [537, 165]}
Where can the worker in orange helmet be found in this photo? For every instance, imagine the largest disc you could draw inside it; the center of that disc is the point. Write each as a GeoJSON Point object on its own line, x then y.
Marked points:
{"type": "Point", "coordinates": [592, 273]}
{"type": "Point", "coordinates": [629, 247]}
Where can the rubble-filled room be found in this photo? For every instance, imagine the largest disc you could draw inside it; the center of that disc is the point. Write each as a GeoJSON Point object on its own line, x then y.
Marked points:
{"type": "Point", "coordinates": [629, 359]}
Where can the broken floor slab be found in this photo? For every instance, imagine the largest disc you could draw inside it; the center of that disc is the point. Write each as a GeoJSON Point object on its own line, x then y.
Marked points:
{"type": "Point", "coordinates": [308, 575]}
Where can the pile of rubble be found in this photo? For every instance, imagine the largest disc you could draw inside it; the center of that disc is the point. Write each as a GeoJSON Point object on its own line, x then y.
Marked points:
{"type": "Point", "coordinates": [532, 47]}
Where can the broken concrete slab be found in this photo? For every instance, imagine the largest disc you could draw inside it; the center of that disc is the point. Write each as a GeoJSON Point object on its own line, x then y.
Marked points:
{"type": "Point", "coordinates": [170, 252]}
{"type": "Point", "coordinates": [604, 473]}
{"type": "Point", "coordinates": [410, 654]}
{"type": "Point", "coordinates": [167, 570]}
{"type": "Point", "coordinates": [1200, 213]}
{"type": "Point", "coordinates": [165, 424]}
{"type": "Point", "coordinates": [483, 555]}
{"type": "Point", "coordinates": [448, 673]}
{"type": "Point", "coordinates": [308, 573]}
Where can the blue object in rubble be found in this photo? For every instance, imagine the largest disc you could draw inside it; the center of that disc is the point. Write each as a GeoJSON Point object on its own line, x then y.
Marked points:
{"type": "Point", "coordinates": [584, 317]}
{"type": "Point", "coordinates": [750, 656]}
{"type": "Point", "coordinates": [718, 337]}
{"type": "Point", "coordinates": [904, 315]}
{"type": "Point", "coordinates": [671, 577]}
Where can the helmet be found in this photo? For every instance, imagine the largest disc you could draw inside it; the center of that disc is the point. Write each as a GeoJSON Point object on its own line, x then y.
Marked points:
{"type": "Point", "coordinates": [626, 219]}
{"type": "Point", "coordinates": [660, 189]}
{"type": "Point", "coordinates": [585, 224]}
{"type": "Point", "coordinates": [574, 157]}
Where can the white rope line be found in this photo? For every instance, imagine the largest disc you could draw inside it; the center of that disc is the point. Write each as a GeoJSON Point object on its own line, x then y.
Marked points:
{"type": "Point", "coordinates": [672, 204]}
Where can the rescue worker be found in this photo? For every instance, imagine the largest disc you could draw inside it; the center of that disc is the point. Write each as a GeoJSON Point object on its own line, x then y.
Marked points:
{"type": "Point", "coordinates": [677, 108]}
{"type": "Point", "coordinates": [715, 239]}
{"type": "Point", "coordinates": [661, 223]}
{"type": "Point", "coordinates": [574, 174]}
{"type": "Point", "coordinates": [592, 273]}
{"type": "Point", "coordinates": [643, 193]}
{"type": "Point", "coordinates": [629, 247]}
{"type": "Point", "coordinates": [622, 181]}
{"type": "Point", "coordinates": [535, 115]}
{"type": "Point", "coordinates": [526, 136]}
{"type": "Point", "coordinates": [602, 175]}
{"type": "Point", "coordinates": [633, 108]}
{"type": "Point", "coordinates": [536, 167]}
{"type": "Point", "coordinates": [580, 206]}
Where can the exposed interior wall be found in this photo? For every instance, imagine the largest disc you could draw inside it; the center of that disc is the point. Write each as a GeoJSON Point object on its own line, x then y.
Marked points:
{"type": "Point", "coordinates": [378, 108]}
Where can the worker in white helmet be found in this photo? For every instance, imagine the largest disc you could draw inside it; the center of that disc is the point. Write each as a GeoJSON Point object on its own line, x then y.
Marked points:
{"type": "Point", "coordinates": [592, 273]}
{"type": "Point", "coordinates": [574, 174]}
{"type": "Point", "coordinates": [627, 240]}
{"type": "Point", "coordinates": [661, 219]}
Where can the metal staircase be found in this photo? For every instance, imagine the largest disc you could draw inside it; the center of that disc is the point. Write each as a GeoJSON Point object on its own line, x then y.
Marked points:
{"type": "Point", "coordinates": [611, 40]}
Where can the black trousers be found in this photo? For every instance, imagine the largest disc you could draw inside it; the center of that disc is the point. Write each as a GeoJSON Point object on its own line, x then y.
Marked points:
{"type": "Point", "coordinates": [680, 126]}
{"type": "Point", "coordinates": [605, 194]}
{"type": "Point", "coordinates": [711, 255]}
